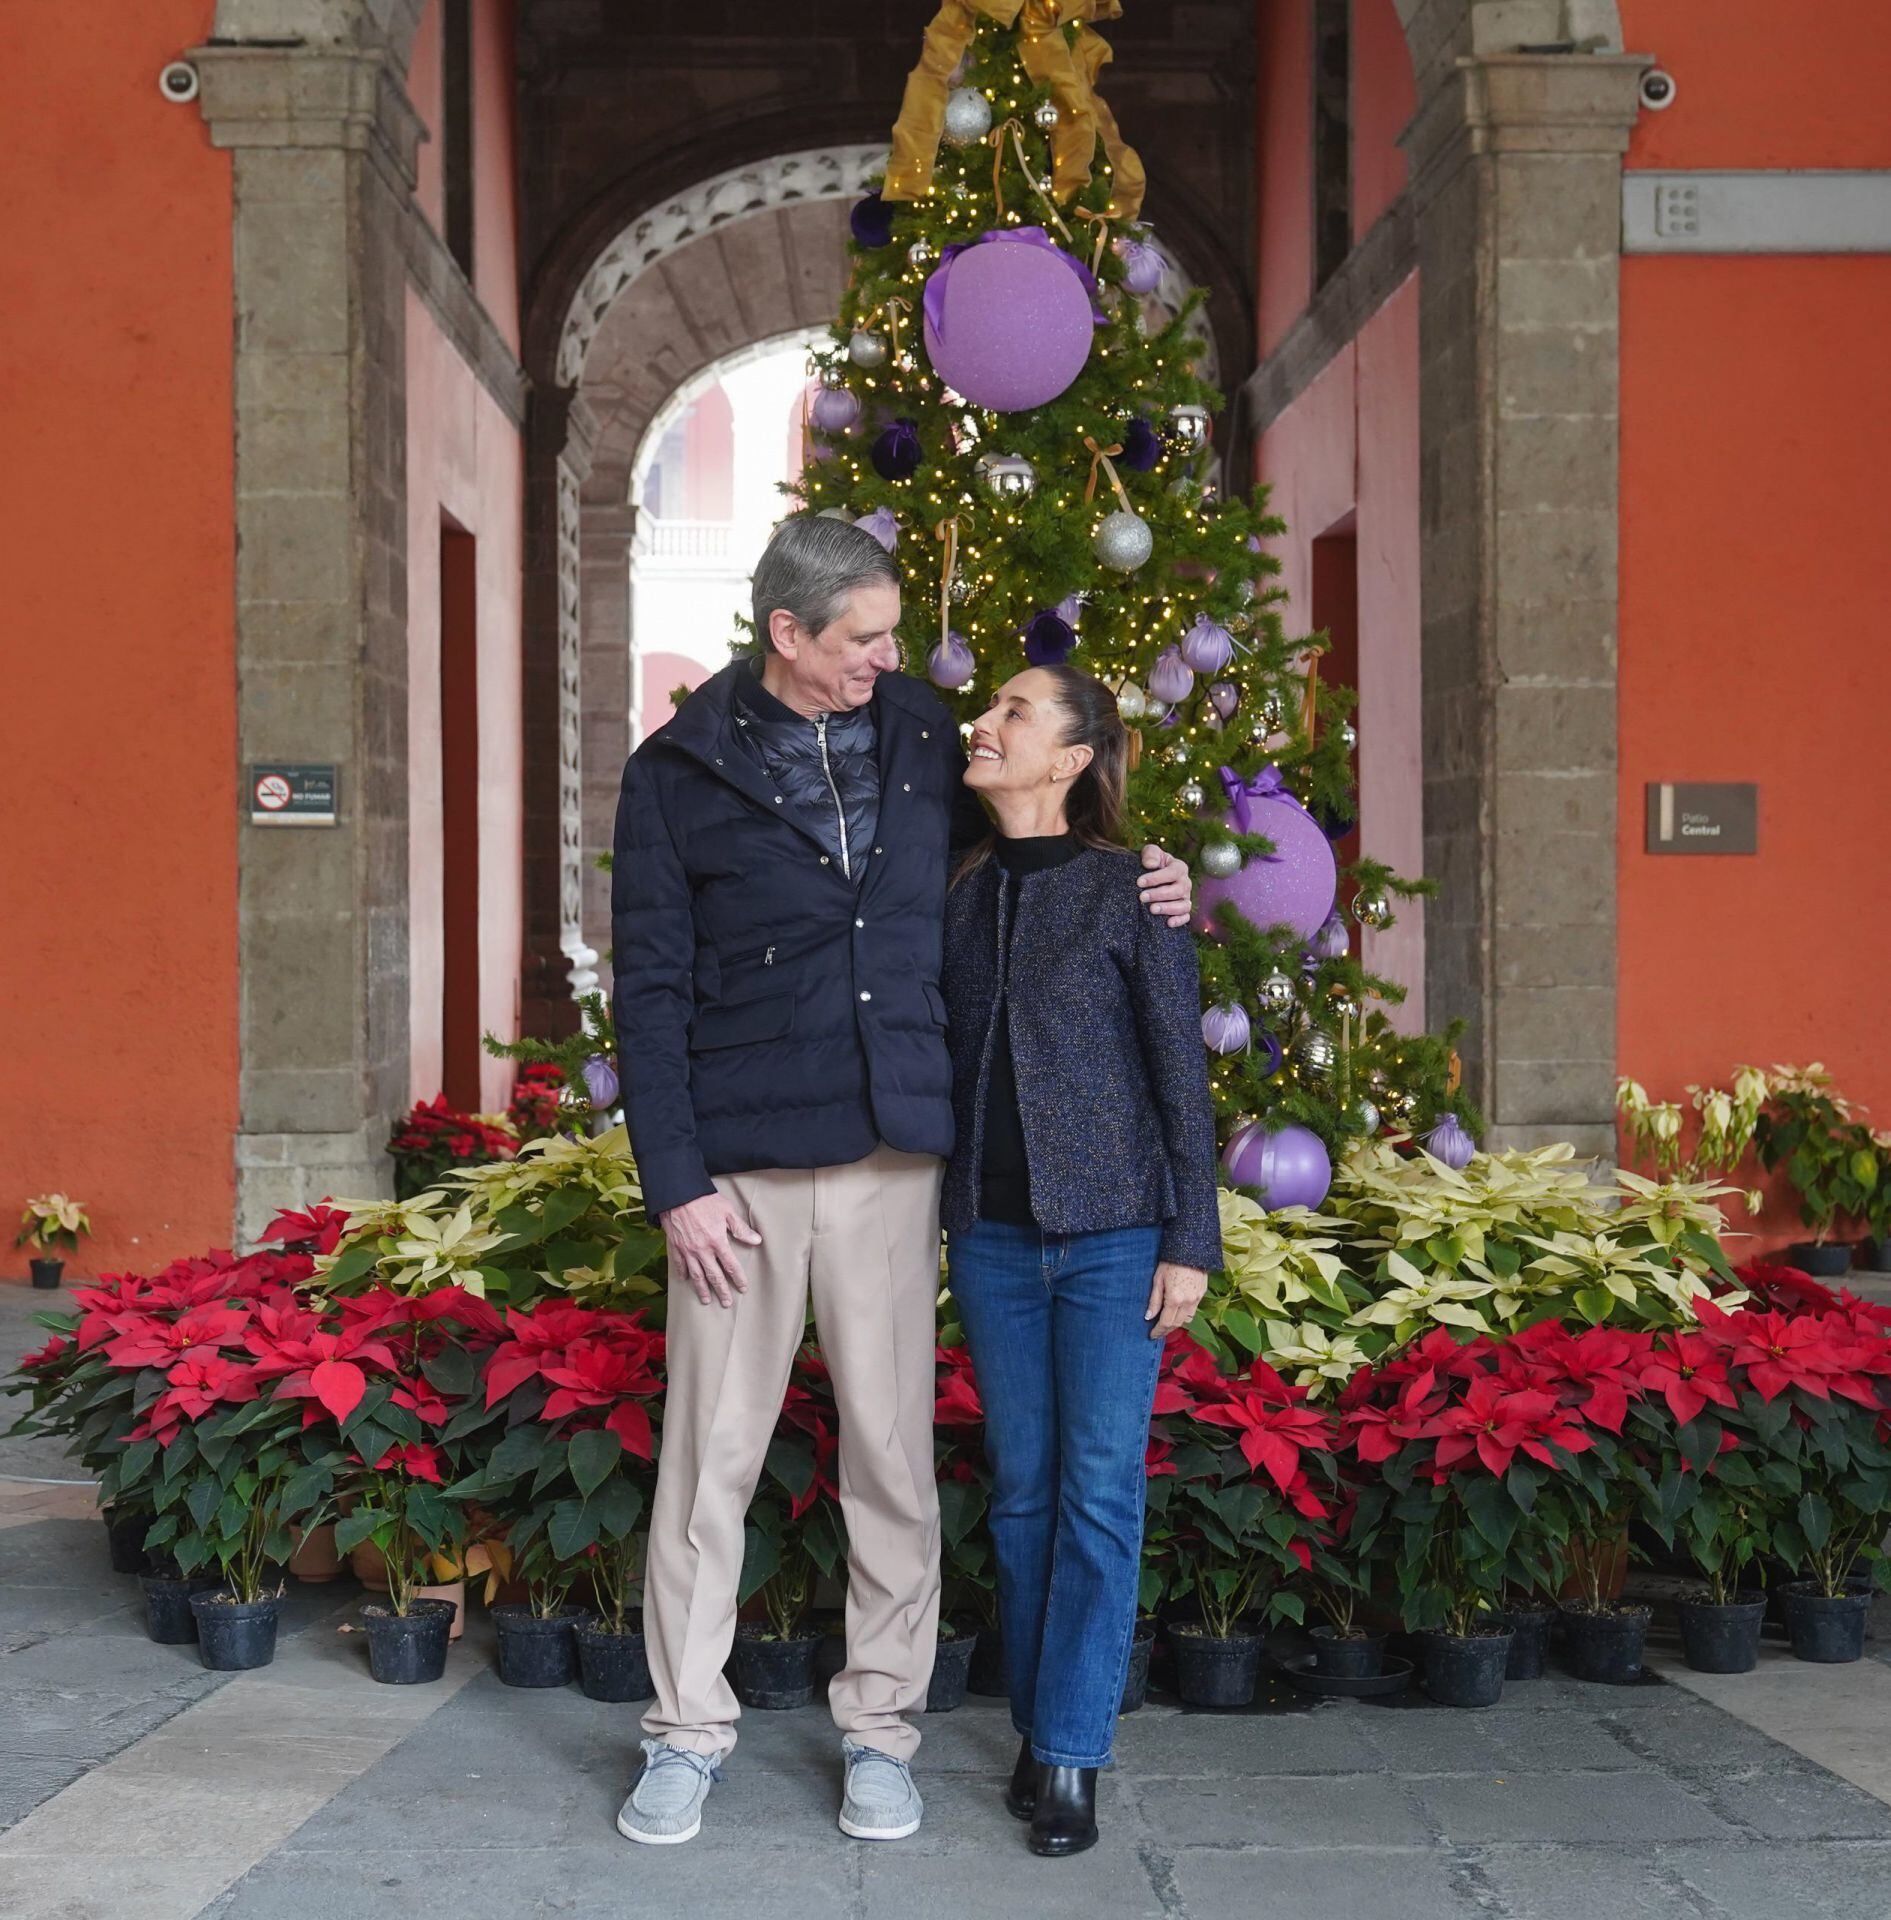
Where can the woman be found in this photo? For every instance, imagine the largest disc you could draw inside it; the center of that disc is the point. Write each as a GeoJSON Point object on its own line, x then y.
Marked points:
{"type": "Point", "coordinates": [1079, 1205]}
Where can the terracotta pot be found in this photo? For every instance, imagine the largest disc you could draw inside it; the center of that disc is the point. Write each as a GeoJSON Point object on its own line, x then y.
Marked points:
{"type": "Point", "coordinates": [315, 1558]}
{"type": "Point", "coordinates": [455, 1591]}
{"type": "Point", "coordinates": [369, 1566]}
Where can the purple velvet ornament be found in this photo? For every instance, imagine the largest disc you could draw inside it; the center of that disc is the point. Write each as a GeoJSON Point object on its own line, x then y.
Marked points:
{"type": "Point", "coordinates": [882, 525]}
{"type": "Point", "coordinates": [1142, 446]}
{"type": "Point", "coordinates": [871, 221]}
{"type": "Point", "coordinates": [895, 453]}
{"type": "Point", "coordinates": [1449, 1142]}
{"type": "Point", "coordinates": [1335, 822]}
{"type": "Point", "coordinates": [1224, 696]}
{"type": "Point", "coordinates": [1009, 319]}
{"type": "Point", "coordinates": [836, 410]}
{"type": "Point", "coordinates": [1048, 640]}
{"type": "Point", "coordinates": [1225, 1028]}
{"type": "Point", "coordinates": [1206, 647]}
{"type": "Point", "coordinates": [1293, 886]}
{"type": "Point", "coordinates": [1270, 1051]}
{"type": "Point", "coordinates": [950, 664]}
{"type": "Point", "coordinates": [1142, 266]}
{"type": "Point", "coordinates": [1333, 941]}
{"type": "Point", "coordinates": [1290, 1168]}
{"type": "Point", "coordinates": [1169, 679]}
{"type": "Point", "coordinates": [600, 1082]}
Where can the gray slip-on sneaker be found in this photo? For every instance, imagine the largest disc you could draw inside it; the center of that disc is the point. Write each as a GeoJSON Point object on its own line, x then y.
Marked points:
{"type": "Point", "coordinates": [665, 1807]}
{"type": "Point", "coordinates": [881, 1802]}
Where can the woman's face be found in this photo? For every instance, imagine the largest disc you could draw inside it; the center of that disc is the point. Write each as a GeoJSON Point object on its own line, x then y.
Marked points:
{"type": "Point", "coordinates": [1017, 742]}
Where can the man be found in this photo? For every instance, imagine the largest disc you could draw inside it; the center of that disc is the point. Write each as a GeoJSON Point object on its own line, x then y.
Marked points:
{"type": "Point", "coordinates": [778, 898]}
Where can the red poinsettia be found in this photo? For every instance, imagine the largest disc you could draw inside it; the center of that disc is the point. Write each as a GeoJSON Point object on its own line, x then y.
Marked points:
{"type": "Point", "coordinates": [957, 1403]}
{"type": "Point", "coordinates": [1689, 1371]}
{"type": "Point", "coordinates": [151, 1341]}
{"type": "Point", "coordinates": [1496, 1423]}
{"type": "Point", "coordinates": [418, 1460]}
{"type": "Point", "coordinates": [530, 1339]}
{"type": "Point", "coordinates": [1274, 1422]}
{"type": "Point", "coordinates": [318, 1230]}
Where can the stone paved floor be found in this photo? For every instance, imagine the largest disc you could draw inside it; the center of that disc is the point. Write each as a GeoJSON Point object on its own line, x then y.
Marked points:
{"type": "Point", "coordinates": [136, 1786]}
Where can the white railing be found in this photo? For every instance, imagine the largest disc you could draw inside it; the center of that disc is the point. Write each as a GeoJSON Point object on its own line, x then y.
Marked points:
{"type": "Point", "coordinates": [701, 541]}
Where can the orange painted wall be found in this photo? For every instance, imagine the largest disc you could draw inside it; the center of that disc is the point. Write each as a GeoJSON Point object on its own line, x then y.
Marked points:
{"type": "Point", "coordinates": [1284, 165]}
{"type": "Point", "coordinates": [118, 789]}
{"type": "Point", "coordinates": [1383, 97]}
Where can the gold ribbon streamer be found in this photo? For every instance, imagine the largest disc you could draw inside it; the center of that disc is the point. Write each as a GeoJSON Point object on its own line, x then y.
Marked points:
{"type": "Point", "coordinates": [1069, 73]}
{"type": "Point", "coordinates": [948, 531]}
{"type": "Point", "coordinates": [1313, 697]}
{"type": "Point", "coordinates": [1103, 234]}
{"type": "Point", "coordinates": [892, 307]}
{"type": "Point", "coordinates": [1100, 457]}
{"type": "Point", "coordinates": [1040, 187]}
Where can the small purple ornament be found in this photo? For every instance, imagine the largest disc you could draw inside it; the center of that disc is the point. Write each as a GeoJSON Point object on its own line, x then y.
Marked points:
{"type": "Point", "coordinates": [1332, 942]}
{"type": "Point", "coordinates": [1449, 1142]}
{"type": "Point", "coordinates": [1206, 647]}
{"type": "Point", "coordinates": [1270, 1051]}
{"type": "Point", "coordinates": [895, 453]}
{"type": "Point", "coordinates": [1169, 679]}
{"type": "Point", "coordinates": [1225, 1028]}
{"type": "Point", "coordinates": [950, 664]}
{"type": "Point", "coordinates": [836, 410]}
{"type": "Point", "coordinates": [1142, 446]}
{"type": "Point", "coordinates": [1009, 319]}
{"type": "Point", "coordinates": [1048, 640]}
{"type": "Point", "coordinates": [1224, 696]}
{"type": "Point", "coordinates": [882, 525]}
{"type": "Point", "coordinates": [1295, 885]}
{"type": "Point", "coordinates": [1142, 266]}
{"type": "Point", "coordinates": [1254, 543]}
{"type": "Point", "coordinates": [600, 1083]}
{"type": "Point", "coordinates": [871, 221]}
{"type": "Point", "coordinates": [1070, 610]}
{"type": "Point", "coordinates": [1335, 822]}
{"type": "Point", "coordinates": [1290, 1168]}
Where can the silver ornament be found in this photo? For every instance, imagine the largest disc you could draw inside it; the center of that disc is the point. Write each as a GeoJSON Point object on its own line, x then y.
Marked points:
{"type": "Point", "coordinates": [1367, 1115]}
{"type": "Point", "coordinates": [1348, 735]}
{"type": "Point", "coordinates": [1340, 1001]}
{"type": "Point", "coordinates": [1131, 701]}
{"type": "Point", "coordinates": [867, 349]}
{"type": "Point", "coordinates": [1372, 910]}
{"type": "Point", "coordinates": [1006, 476]}
{"type": "Point", "coordinates": [1046, 115]}
{"type": "Point", "coordinates": [1124, 541]}
{"type": "Point", "coordinates": [963, 587]}
{"type": "Point", "coordinates": [1275, 993]}
{"type": "Point", "coordinates": [1181, 487]}
{"type": "Point", "coordinates": [833, 377]}
{"type": "Point", "coordinates": [1271, 713]}
{"type": "Point", "coordinates": [1259, 731]}
{"type": "Point", "coordinates": [1315, 1054]}
{"type": "Point", "coordinates": [1153, 710]}
{"type": "Point", "coordinates": [918, 254]}
{"type": "Point", "coordinates": [1190, 427]}
{"type": "Point", "coordinates": [836, 513]}
{"type": "Point", "coordinates": [1176, 754]}
{"type": "Point", "coordinates": [1191, 795]}
{"type": "Point", "coordinates": [1220, 859]}
{"type": "Point", "coordinates": [967, 117]}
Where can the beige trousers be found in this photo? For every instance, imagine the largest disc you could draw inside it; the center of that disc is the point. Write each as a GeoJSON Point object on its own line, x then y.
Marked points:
{"type": "Point", "coordinates": [865, 1239]}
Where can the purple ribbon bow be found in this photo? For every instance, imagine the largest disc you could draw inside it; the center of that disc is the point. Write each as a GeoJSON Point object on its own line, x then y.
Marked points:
{"type": "Point", "coordinates": [1265, 785]}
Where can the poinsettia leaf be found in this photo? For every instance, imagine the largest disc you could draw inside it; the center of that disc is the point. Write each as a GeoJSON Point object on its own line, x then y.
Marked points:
{"type": "Point", "coordinates": [353, 1529]}
{"type": "Point", "coordinates": [761, 1561]}
{"type": "Point", "coordinates": [1492, 1511]}
{"type": "Point", "coordinates": [452, 1370]}
{"type": "Point", "coordinates": [202, 1497]}
{"type": "Point", "coordinates": [593, 1455]}
{"type": "Point", "coordinates": [639, 1249]}
{"type": "Point", "coordinates": [618, 1506]}
{"type": "Point", "coordinates": [351, 1263]}
{"type": "Point", "coordinates": [961, 1507]}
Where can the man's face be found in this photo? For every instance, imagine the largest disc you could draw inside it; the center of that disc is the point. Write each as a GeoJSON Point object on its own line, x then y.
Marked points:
{"type": "Point", "coordinates": [835, 670]}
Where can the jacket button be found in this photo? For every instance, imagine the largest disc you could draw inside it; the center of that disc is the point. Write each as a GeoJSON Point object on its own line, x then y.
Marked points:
{"type": "Point", "coordinates": [860, 923]}
{"type": "Point", "coordinates": [906, 786]}
{"type": "Point", "coordinates": [866, 996]}
{"type": "Point", "coordinates": [718, 759]}
{"type": "Point", "coordinates": [823, 859]}
{"type": "Point", "coordinates": [879, 849]}
{"type": "Point", "coordinates": [925, 733]}
{"type": "Point", "coordinates": [777, 799]}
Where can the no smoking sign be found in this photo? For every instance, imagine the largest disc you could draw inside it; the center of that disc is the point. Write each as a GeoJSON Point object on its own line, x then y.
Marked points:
{"type": "Point", "coordinates": [292, 796]}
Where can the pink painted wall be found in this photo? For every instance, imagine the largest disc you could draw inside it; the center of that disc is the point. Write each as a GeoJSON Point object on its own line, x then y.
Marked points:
{"type": "Point", "coordinates": [1382, 102]}
{"type": "Point", "coordinates": [1284, 161]}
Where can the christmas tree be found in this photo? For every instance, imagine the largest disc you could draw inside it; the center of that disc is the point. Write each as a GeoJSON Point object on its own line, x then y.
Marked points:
{"type": "Point", "coordinates": [997, 407]}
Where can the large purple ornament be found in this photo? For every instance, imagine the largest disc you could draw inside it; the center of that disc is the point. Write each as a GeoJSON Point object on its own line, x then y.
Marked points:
{"type": "Point", "coordinates": [1225, 1028]}
{"type": "Point", "coordinates": [895, 452]}
{"type": "Point", "coordinates": [836, 410]}
{"type": "Point", "coordinates": [1293, 886]}
{"type": "Point", "coordinates": [871, 221]}
{"type": "Point", "coordinates": [600, 1082]}
{"type": "Point", "coordinates": [1142, 266]}
{"type": "Point", "coordinates": [1286, 1169]}
{"type": "Point", "coordinates": [1048, 640]}
{"type": "Point", "coordinates": [950, 664]}
{"type": "Point", "coordinates": [1142, 446]}
{"type": "Point", "coordinates": [1009, 319]}
{"type": "Point", "coordinates": [882, 525]}
{"type": "Point", "coordinates": [1449, 1142]}
{"type": "Point", "coordinates": [1169, 679]}
{"type": "Point", "coordinates": [1207, 647]}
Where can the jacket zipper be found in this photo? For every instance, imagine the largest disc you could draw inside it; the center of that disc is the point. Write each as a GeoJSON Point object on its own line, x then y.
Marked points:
{"type": "Point", "coordinates": [840, 812]}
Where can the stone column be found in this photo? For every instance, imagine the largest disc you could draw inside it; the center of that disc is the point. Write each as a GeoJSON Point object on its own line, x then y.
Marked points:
{"type": "Point", "coordinates": [606, 528]}
{"type": "Point", "coordinates": [324, 142]}
{"type": "Point", "coordinates": [1516, 181]}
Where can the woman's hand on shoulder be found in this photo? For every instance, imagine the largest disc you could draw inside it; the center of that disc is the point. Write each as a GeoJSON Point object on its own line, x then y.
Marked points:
{"type": "Point", "coordinates": [1167, 891]}
{"type": "Point", "coordinates": [1173, 1298]}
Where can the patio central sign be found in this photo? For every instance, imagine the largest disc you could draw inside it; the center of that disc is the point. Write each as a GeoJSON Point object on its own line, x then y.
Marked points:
{"type": "Point", "coordinates": [1695, 817]}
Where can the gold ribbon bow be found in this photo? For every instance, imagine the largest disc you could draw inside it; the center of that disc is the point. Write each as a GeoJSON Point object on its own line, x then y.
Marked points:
{"type": "Point", "coordinates": [948, 531]}
{"type": "Point", "coordinates": [1103, 234]}
{"type": "Point", "coordinates": [1101, 457]}
{"type": "Point", "coordinates": [1069, 72]}
{"type": "Point", "coordinates": [1042, 188]}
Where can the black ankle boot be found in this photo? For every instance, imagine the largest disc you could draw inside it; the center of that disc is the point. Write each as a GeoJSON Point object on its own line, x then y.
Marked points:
{"type": "Point", "coordinates": [1021, 1789]}
{"type": "Point", "coordinates": [1065, 1820]}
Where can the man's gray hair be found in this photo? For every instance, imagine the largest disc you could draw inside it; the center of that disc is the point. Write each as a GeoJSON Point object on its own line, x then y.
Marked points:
{"type": "Point", "coordinates": [811, 564]}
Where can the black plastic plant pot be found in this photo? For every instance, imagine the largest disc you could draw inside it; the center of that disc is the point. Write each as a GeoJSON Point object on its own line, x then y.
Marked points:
{"type": "Point", "coordinates": [1466, 1669]}
{"type": "Point", "coordinates": [235, 1635]}
{"type": "Point", "coordinates": [1824, 1629]}
{"type": "Point", "coordinates": [536, 1650]}
{"type": "Point", "coordinates": [1136, 1680]}
{"type": "Point", "coordinates": [611, 1666]}
{"type": "Point", "coordinates": [1824, 1261]}
{"type": "Point", "coordinates": [773, 1674]}
{"type": "Point", "coordinates": [1721, 1637]}
{"type": "Point", "coordinates": [1212, 1672]}
{"type": "Point", "coordinates": [1347, 1656]}
{"type": "Point", "coordinates": [986, 1675]}
{"type": "Point", "coordinates": [1529, 1641]}
{"type": "Point", "coordinates": [1605, 1647]}
{"type": "Point", "coordinates": [951, 1670]}
{"type": "Point", "coordinates": [46, 1272]}
{"type": "Point", "coordinates": [124, 1534]}
{"type": "Point", "coordinates": [408, 1649]}
{"type": "Point", "coordinates": [167, 1615]}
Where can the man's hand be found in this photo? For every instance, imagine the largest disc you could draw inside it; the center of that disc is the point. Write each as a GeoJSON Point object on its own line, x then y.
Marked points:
{"type": "Point", "coordinates": [1173, 1298]}
{"type": "Point", "coordinates": [702, 1234]}
{"type": "Point", "coordinates": [1166, 887]}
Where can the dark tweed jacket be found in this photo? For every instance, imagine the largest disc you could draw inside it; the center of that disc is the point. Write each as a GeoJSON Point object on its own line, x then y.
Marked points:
{"type": "Point", "coordinates": [1105, 1011]}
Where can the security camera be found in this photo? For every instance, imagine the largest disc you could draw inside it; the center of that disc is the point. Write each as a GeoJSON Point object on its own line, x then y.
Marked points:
{"type": "Point", "coordinates": [1657, 89]}
{"type": "Point", "coordinates": [178, 82]}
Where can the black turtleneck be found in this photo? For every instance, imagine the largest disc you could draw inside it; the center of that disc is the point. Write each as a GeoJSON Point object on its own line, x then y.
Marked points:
{"type": "Point", "coordinates": [1005, 1177]}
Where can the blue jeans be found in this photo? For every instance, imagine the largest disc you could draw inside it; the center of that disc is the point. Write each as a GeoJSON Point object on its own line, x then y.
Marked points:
{"type": "Point", "coordinates": [1067, 1371]}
